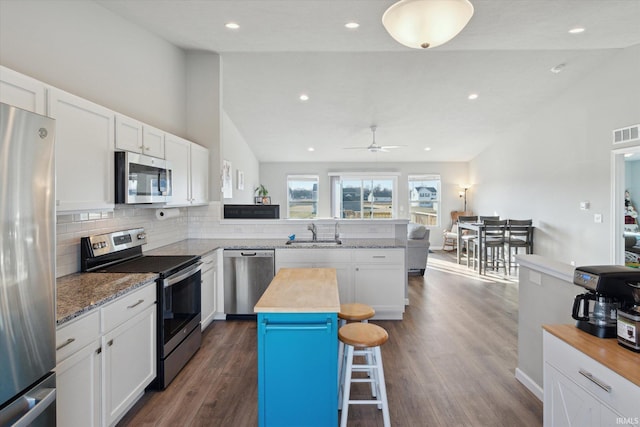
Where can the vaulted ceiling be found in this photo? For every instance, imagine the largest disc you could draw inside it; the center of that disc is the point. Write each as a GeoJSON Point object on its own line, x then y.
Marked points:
{"type": "Point", "coordinates": [362, 77]}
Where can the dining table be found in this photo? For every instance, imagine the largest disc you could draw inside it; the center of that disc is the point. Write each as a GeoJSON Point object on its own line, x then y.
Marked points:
{"type": "Point", "coordinates": [476, 228]}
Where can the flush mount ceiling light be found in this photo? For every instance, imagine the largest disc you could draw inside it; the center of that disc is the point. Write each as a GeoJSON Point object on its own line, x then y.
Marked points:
{"type": "Point", "coordinates": [232, 25]}
{"type": "Point", "coordinates": [422, 24]}
{"type": "Point", "coordinates": [352, 25]}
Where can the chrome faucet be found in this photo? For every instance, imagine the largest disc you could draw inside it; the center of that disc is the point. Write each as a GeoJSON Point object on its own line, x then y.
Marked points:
{"type": "Point", "coordinates": [314, 231]}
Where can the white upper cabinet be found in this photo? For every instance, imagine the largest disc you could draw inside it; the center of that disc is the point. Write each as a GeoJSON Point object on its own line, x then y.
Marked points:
{"type": "Point", "coordinates": [134, 136]}
{"type": "Point", "coordinates": [153, 141]}
{"type": "Point", "coordinates": [21, 91]}
{"type": "Point", "coordinates": [190, 165]}
{"type": "Point", "coordinates": [84, 153]}
{"type": "Point", "coordinates": [178, 152]}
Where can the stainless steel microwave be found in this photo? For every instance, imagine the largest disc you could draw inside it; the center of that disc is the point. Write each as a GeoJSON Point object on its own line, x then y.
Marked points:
{"type": "Point", "coordinates": [142, 179]}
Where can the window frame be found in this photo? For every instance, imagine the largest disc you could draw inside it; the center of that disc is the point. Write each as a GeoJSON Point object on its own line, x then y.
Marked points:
{"type": "Point", "coordinates": [303, 177]}
{"type": "Point", "coordinates": [336, 191]}
{"type": "Point", "coordinates": [426, 177]}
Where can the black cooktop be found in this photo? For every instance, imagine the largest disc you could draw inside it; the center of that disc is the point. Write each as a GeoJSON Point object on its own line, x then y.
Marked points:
{"type": "Point", "coordinates": [161, 264]}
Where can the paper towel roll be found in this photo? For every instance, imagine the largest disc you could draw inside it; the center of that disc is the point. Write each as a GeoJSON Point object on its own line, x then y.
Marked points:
{"type": "Point", "coordinates": [163, 214]}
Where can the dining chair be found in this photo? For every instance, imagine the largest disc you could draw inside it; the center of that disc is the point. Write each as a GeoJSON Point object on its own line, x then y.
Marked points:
{"type": "Point", "coordinates": [467, 235]}
{"type": "Point", "coordinates": [519, 235]}
{"type": "Point", "coordinates": [493, 238]}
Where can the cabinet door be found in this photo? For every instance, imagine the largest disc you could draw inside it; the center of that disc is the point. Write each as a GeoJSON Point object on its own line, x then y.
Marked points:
{"type": "Point", "coordinates": [129, 363]}
{"type": "Point", "coordinates": [21, 91]}
{"type": "Point", "coordinates": [178, 152]}
{"type": "Point", "coordinates": [128, 134]}
{"type": "Point", "coordinates": [209, 289]}
{"type": "Point", "coordinates": [199, 174]}
{"type": "Point", "coordinates": [84, 153]}
{"type": "Point", "coordinates": [297, 369]}
{"type": "Point", "coordinates": [78, 384]}
{"type": "Point", "coordinates": [153, 141]}
{"type": "Point", "coordinates": [566, 404]}
{"type": "Point", "coordinates": [380, 286]}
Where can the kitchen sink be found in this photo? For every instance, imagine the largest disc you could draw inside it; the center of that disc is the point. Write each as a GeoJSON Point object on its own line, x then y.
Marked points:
{"type": "Point", "coordinates": [314, 242]}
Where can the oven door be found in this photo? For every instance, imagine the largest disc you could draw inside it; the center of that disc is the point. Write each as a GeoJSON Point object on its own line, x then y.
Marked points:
{"type": "Point", "coordinates": [180, 312]}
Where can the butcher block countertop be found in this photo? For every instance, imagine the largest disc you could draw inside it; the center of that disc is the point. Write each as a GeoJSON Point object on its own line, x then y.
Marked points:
{"type": "Point", "coordinates": [606, 351]}
{"type": "Point", "coordinates": [301, 290]}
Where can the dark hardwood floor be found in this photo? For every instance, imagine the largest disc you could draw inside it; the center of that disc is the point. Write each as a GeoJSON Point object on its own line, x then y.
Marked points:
{"type": "Point", "coordinates": [450, 362]}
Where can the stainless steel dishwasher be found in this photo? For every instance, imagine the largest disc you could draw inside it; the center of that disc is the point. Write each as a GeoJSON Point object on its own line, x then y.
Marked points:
{"type": "Point", "coordinates": [247, 273]}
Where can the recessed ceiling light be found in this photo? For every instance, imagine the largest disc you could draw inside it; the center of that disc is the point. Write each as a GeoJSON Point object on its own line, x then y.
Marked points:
{"type": "Point", "coordinates": [232, 25]}
{"type": "Point", "coordinates": [304, 97]}
{"type": "Point", "coordinates": [352, 25]}
{"type": "Point", "coordinates": [427, 148]}
{"type": "Point", "coordinates": [558, 68]}
{"type": "Point", "coordinates": [473, 96]}
{"type": "Point", "coordinates": [311, 149]}
{"type": "Point", "coordinates": [576, 30]}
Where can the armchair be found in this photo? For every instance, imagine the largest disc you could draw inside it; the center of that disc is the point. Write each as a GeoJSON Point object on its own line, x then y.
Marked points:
{"type": "Point", "coordinates": [417, 247]}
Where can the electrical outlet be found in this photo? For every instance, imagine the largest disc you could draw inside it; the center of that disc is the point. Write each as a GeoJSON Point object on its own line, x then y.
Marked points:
{"type": "Point", "coordinates": [597, 218]}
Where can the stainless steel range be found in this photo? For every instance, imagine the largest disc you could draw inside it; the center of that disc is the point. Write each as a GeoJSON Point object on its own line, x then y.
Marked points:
{"type": "Point", "coordinates": [178, 292]}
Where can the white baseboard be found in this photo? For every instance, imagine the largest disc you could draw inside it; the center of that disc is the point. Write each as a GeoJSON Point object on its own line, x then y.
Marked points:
{"type": "Point", "coordinates": [531, 385]}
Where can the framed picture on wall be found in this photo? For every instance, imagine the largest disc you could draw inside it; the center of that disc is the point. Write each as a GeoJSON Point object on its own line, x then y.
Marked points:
{"type": "Point", "coordinates": [240, 180]}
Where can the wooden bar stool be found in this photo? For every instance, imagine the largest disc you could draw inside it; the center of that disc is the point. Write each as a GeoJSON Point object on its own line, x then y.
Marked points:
{"type": "Point", "coordinates": [362, 336]}
{"type": "Point", "coordinates": [354, 312]}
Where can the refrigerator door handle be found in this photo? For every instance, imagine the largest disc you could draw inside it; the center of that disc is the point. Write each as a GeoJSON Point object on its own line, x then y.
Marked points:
{"type": "Point", "coordinates": [38, 402]}
{"type": "Point", "coordinates": [31, 405]}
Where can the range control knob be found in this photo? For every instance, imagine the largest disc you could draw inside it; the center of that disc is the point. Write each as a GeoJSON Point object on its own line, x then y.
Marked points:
{"type": "Point", "coordinates": [103, 244]}
{"type": "Point", "coordinates": [142, 236]}
{"type": "Point", "coordinates": [96, 245]}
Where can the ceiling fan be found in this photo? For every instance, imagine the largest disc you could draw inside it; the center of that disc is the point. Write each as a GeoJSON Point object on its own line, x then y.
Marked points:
{"type": "Point", "coordinates": [374, 148]}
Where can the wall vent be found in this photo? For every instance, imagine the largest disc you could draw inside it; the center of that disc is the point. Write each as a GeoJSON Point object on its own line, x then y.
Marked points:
{"type": "Point", "coordinates": [628, 134]}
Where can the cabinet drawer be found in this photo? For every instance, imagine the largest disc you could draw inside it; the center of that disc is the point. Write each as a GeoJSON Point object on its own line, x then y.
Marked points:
{"type": "Point", "coordinates": [76, 334]}
{"type": "Point", "coordinates": [624, 395]}
{"type": "Point", "coordinates": [310, 256]}
{"type": "Point", "coordinates": [127, 306]}
{"type": "Point", "coordinates": [381, 256]}
{"type": "Point", "coordinates": [209, 261]}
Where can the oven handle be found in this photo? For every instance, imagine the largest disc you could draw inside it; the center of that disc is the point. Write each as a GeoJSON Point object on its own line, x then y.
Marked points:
{"type": "Point", "coordinates": [181, 275]}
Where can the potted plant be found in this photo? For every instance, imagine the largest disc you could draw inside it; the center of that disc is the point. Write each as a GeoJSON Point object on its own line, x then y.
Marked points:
{"type": "Point", "coordinates": [262, 197]}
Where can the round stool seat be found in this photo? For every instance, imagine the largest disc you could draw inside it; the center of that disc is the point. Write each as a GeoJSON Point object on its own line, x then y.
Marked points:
{"type": "Point", "coordinates": [356, 312]}
{"type": "Point", "coordinates": [363, 335]}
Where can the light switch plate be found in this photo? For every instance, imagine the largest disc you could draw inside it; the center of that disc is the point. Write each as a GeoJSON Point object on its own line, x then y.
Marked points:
{"type": "Point", "coordinates": [597, 218]}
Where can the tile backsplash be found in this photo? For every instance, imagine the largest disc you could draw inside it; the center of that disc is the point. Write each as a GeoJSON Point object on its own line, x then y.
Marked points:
{"type": "Point", "coordinates": [199, 222]}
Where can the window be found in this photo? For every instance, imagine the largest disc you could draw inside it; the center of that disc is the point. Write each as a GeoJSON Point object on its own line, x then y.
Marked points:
{"type": "Point", "coordinates": [357, 196]}
{"type": "Point", "coordinates": [424, 199]}
{"type": "Point", "coordinates": [302, 199]}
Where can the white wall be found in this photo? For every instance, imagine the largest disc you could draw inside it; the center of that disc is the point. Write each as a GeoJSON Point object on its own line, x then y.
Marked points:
{"type": "Point", "coordinates": [86, 50]}
{"type": "Point", "coordinates": [545, 166]}
{"type": "Point", "coordinates": [274, 177]}
{"type": "Point", "coordinates": [236, 150]}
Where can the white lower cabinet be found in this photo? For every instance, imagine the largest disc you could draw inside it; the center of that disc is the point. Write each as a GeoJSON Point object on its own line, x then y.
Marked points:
{"type": "Point", "coordinates": [78, 373]}
{"type": "Point", "coordinates": [209, 288]}
{"type": "Point", "coordinates": [370, 276]}
{"type": "Point", "coordinates": [105, 360]}
{"type": "Point", "coordinates": [579, 391]}
{"type": "Point", "coordinates": [129, 363]}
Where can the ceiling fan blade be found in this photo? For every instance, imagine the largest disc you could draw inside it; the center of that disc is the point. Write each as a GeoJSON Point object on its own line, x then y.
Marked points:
{"type": "Point", "coordinates": [355, 148]}
{"type": "Point", "coordinates": [393, 146]}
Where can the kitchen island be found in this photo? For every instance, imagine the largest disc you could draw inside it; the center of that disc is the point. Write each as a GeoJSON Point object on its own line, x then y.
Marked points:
{"type": "Point", "coordinates": [298, 348]}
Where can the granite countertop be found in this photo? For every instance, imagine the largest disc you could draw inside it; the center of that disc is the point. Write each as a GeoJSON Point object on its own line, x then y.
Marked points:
{"type": "Point", "coordinates": [606, 351]}
{"type": "Point", "coordinates": [301, 290]}
{"type": "Point", "coordinates": [79, 293]}
{"type": "Point", "coordinates": [201, 247]}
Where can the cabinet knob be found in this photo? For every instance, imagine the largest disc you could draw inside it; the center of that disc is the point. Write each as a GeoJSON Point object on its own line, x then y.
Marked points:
{"type": "Point", "coordinates": [110, 343]}
{"type": "Point", "coordinates": [99, 350]}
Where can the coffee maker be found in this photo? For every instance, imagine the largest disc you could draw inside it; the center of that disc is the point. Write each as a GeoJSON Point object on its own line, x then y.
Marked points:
{"type": "Point", "coordinates": [596, 311]}
{"type": "Point", "coordinates": [629, 320]}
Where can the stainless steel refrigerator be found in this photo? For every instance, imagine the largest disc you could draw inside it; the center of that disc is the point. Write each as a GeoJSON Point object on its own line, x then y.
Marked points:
{"type": "Point", "coordinates": [27, 269]}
